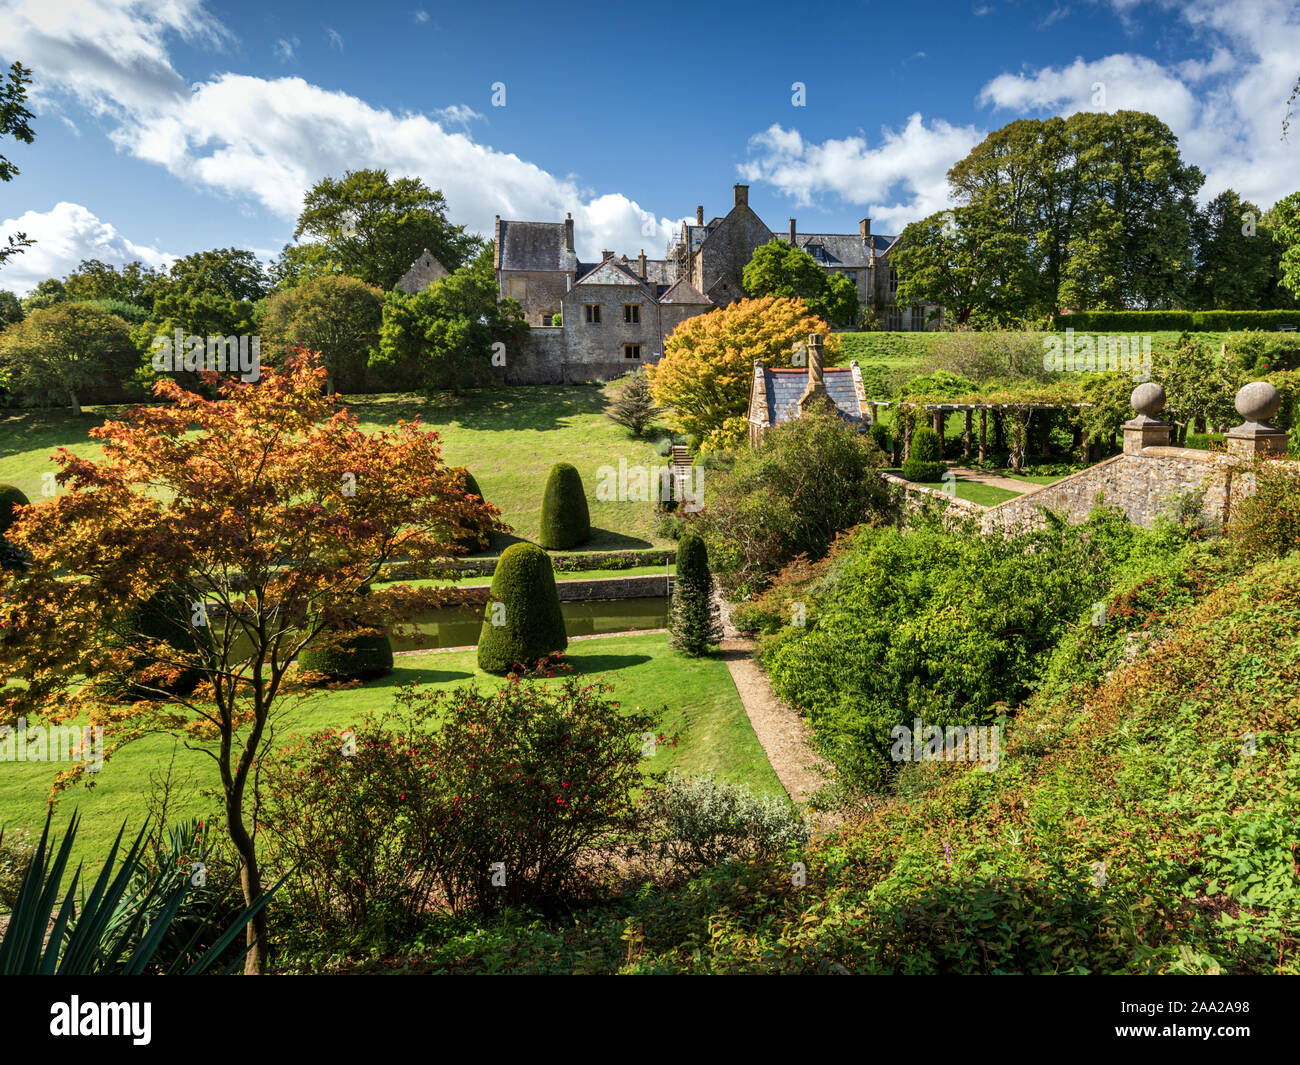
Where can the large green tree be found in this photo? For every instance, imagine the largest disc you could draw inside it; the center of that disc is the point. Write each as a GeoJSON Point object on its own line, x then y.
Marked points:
{"type": "Point", "coordinates": [96, 280]}
{"type": "Point", "coordinates": [960, 259]}
{"type": "Point", "coordinates": [210, 293]}
{"type": "Point", "coordinates": [14, 122]}
{"type": "Point", "coordinates": [447, 333]}
{"type": "Point", "coordinates": [1285, 222]}
{"type": "Point", "coordinates": [337, 316]}
{"type": "Point", "coordinates": [63, 350]}
{"type": "Point", "coordinates": [788, 272]}
{"type": "Point", "coordinates": [375, 227]}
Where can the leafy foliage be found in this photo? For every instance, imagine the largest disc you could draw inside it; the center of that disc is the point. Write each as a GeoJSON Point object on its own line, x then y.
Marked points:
{"type": "Point", "coordinates": [336, 316]}
{"type": "Point", "coordinates": [634, 406]}
{"type": "Point", "coordinates": [523, 622]}
{"type": "Point", "coordinates": [693, 622]}
{"type": "Point", "coordinates": [788, 272]}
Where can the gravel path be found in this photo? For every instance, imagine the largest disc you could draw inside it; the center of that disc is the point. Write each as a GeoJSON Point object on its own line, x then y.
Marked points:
{"type": "Point", "coordinates": [993, 480]}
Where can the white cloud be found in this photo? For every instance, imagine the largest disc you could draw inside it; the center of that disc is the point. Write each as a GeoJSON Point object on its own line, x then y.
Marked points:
{"type": "Point", "coordinates": [266, 141]}
{"type": "Point", "coordinates": [900, 179]}
{"type": "Point", "coordinates": [335, 38]}
{"type": "Point", "coordinates": [286, 50]}
{"type": "Point", "coordinates": [64, 235]}
{"type": "Point", "coordinates": [421, 16]}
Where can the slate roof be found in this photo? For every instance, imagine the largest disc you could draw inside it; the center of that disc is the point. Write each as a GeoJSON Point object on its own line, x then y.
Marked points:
{"type": "Point", "coordinates": [682, 291]}
{"type": "Point", "coordinates": [535, 246]}
{"type": "Point", "coordinates": [784, 387]}
{"type": "Point", "coordinates": [844, 250]}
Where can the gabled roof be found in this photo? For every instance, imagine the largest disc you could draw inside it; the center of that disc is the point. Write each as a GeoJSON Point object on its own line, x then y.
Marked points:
{"type": "Point", "coordinates": [845, 250]}
{"type": "Point", "coordinates": [784, 388]}
{"type": "Point", "coordinates": [612, 272]}
{"type": "Point", "coordinates": [535, 246]}
{"type": "Point", "coordinates": [682, 291]}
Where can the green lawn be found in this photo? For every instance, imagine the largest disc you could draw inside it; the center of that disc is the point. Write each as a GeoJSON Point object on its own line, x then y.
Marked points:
{"type": "Point", "coordinates": [986, 495]}
{"type": "Point", "coordinates": [508, 437]}
{"type": "Point", "coordinates": [703, 707]}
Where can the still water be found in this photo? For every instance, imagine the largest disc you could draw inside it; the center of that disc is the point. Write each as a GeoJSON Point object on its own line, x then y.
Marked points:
{"type": "Point", "coordinates": [459, 626]}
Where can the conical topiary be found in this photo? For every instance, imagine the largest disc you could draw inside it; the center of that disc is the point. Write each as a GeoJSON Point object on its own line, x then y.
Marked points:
{"type": "Point", "coordinates": [469, 541]}
{"type": "Point", "coordinates": [342, 653]}
{"type": "Point", "coordinates": [693, 621]}
{"type": "Point", "coordinates": [523, 622]}
{"type": "Point", "coordinates": [566, 522]}
{"type": "Point", "coordinates": [167, 616]}
{"type": "Point", "coordinates": [10, 497]}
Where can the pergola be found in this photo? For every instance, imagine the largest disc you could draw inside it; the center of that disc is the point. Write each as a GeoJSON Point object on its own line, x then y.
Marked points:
{"type": "Point", "coordinates": [1023, 411]}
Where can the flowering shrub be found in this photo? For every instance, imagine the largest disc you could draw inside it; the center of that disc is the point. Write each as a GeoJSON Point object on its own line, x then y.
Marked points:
{"type": "Point", "coordinates": [436, 793]}
{"type": "Point", "coordinates": [1266, 524]}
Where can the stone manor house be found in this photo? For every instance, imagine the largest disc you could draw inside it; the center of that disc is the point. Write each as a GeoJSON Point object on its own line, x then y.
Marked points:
{"type": "Point", "coordinates": [596, 320]}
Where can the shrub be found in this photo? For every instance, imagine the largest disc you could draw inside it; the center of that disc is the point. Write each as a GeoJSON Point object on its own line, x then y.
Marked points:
{"type": "Point", "coordinates": [664, 446]}
{"type": "Point", "coordinates": [923, 472]}
{"type": "Point", "coordinates": [879, 433]}
{"type": "Point", "coordinates": [10, 497]}
{"type": "Point", "coordinates": [471, 541]}
{"type": "Point", "coordinates": [16, 852]}
{"type": "Point", "coordinates": [566, 521]}
{"type": "Point", "coordinates": [1266, 523]}
{"type": "Point", "coordinates": [526, 603]}
{"type": "Point", "coordinates": [348, 656]}
{"type": "Point", "coordinates": [698, 822]}
{"type": "Point", "coordinates": [693, 618]}
{"type": "Point", "coordinates": [634, 408]}
{"type": "Point", "coordinates": [810, 479]}
{"type": "Point", "coordinates": [926, 445]}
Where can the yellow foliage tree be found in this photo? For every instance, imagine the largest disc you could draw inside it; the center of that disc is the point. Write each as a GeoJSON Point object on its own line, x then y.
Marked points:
{"type": "Point", "coordinates": [708, 363]}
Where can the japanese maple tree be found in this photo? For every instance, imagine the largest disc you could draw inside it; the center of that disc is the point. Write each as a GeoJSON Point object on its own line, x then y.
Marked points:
{"type": "Point", "coordinates": [259, 521]}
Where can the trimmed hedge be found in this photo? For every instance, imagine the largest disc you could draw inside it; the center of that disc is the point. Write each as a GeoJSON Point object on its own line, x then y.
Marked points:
{"type": "Point", "coordinates": [566, 521]}
{"type": "Point", "coordinates": [10, 497]}
{"type": "Point", "coordinates": [923, 472]}
{"type": "Point", "coordinates": [526, 602]}
{"type": "Point", "coordinates": [470, 542]}
{"type": "Point", "coordinates": [359, 657]}
{"type": "Point", "coordinates": [164, 616]}
{"type": "Point", "coordinates": [561, 563]}
{"type": "Point", "coordinates": [1185, 321]}
{"type": "Point", "coordinates": [926, 445]}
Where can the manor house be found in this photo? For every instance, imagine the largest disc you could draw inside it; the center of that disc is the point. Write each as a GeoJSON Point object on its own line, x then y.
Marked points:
{"type": "Point", "coordinates": [595, 320]}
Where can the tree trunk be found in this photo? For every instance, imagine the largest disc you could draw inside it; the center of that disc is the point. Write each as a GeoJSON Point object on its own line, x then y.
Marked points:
{"type": "Point", "coordinates": [999, 431]}
{"type": "Point", "coordinates": [1045, 435]}
{"type": "Point", "coordinates": [984, 432]}
{"type": "Point", "coordinates": [250, 881]}
{"type": "Point", "coordinates": [965, 436]}
{"type": "Point", "coordinates": [76, 406]}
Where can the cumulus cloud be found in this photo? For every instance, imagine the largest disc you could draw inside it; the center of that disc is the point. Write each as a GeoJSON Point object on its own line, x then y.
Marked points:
{"type": "Point", "coordinates": [267, 140]}
{"type": "Point", "coordinates": [900, 178]}
{"type": "Point", "coordinates": [64, 235]}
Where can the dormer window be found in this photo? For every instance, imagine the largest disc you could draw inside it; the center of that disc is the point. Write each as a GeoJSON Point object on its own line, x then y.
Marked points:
{"type": "Point", "coordinates": [817, 251]}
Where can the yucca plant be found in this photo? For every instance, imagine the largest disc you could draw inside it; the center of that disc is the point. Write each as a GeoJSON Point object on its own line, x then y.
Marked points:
{"type": "Point", "coordinates": [48, 936]}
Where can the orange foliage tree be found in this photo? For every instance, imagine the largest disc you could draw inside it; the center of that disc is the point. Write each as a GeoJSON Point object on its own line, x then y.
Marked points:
{"type": "Point", "coordinates": [266, 514]}
{"type": "Point", "coordinates": [708, 362]}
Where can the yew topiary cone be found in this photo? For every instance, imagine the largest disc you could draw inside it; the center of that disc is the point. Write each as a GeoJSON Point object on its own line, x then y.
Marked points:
{"type": "Point", "coordinates": [566, 522]}
{"type": "Point", "coordinates": [523, 622]}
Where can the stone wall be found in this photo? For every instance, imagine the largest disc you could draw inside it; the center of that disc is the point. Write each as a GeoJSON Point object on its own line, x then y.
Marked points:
{"type": "Point", "coordinates": [539, 292]}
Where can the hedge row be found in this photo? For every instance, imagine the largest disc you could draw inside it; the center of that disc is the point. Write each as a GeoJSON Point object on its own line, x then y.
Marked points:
{"type": "Point", "coordinates": [568, 562]}
{"type": "Point", "coordinates": [1188, 321]}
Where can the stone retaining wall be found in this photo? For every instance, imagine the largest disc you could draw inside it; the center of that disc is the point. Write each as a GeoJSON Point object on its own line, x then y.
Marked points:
{"type": "Point", "coordinates": [601, 588]}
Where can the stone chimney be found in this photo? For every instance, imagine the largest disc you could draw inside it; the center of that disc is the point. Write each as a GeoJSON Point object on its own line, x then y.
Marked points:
{"type": "Point", "coordinates": [1146, 430]}
{"type": "Point", "coordinates": [792, 234]}
{"type": "Point", "coordinates": [864, 227]}
{"type": "Point", "coordinates": [640, 265]}
{"type": "Point", "coordinates": [814, 395]}
{"type": "Point", "coordinates": [496, 243]}
{"type": "Point", "coordinates": [1257, 402]}
{"type": "Point", "coordinates": [568, 231]}
{"type": "Point", "coordinates": [742, 195]}
{"type": "Point", "coordinates": [699, 215]}
{"type": "Point", "coordinates": [606, 255]}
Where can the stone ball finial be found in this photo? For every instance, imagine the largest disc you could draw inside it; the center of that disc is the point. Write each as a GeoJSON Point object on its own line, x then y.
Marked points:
{"type": "Point", "coordinates": [1148, 399]}
{"type": "Point", "coordinates": [1258, 401]}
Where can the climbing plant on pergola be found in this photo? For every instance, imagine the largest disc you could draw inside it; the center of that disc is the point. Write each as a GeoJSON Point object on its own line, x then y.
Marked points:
{"type": "Point", "coordinates": [1014, 408]}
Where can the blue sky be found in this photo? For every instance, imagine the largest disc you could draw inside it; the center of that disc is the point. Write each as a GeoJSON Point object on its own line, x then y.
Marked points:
{"type": "Point", "coordinates": [167, 126]}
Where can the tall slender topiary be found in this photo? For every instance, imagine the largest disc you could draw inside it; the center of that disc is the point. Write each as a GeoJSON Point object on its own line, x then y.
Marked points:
{"type": "Point", "coordinates": [925, 456]}
{"type": "Point", "coordinates": [523, 622]}
{"type": "Point", "coordinates": [693, 621]}
{"type": "Point", "coordinates": [470, 541]}
{"type": "Point", "coordinates": [10, 497]}
{"type": "Point", "coordinates": [566, 522]}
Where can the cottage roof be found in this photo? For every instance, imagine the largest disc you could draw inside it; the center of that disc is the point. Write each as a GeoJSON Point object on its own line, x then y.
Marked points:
{"type": "Point", "coordinates": [535, 246]}
{"type": "Point", "coordinates": [783, 389]}
{"type": "Point", "coordinates": [845, 250]}
{"type": "Point", "coordinates": [682, 291]}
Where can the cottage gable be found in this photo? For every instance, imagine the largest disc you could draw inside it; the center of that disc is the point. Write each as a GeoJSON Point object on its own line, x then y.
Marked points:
{"type": "Point", "coordinates": [423, 273]}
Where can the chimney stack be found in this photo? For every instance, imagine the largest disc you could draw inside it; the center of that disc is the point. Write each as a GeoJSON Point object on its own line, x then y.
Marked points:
{"type": "Point", "coordinates": [792, 236]}
{"type": "Point", "coordinates": [864, 227]}
{"type": "Point", "coordinates": [640, 264]}
{"type": "Point", "coordinates": [568, 231]}
{"type": "Point", "coordinates": [699, 215]}
{"type": "Point", "coordinates": [496, 243]}
{"type": "Point", "coordinates": [742, 195]}
{"type": "Point", "coordinates": [606, 255]}
{"type": "Point", "coordinates": [815, 395]}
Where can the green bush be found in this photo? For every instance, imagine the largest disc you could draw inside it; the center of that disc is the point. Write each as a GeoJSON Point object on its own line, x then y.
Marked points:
{"type": "Point", "coordinates": [879, 433]}
{"type": "Point", "coordinates": [10, 497]}
{"type": "Point", "coordinates": [693, 622]}
{"type": "Point", "coordinates": [523, 622]}
{"type": "Point", "coordinates": [166, 616]}
{"type": "Point", "coordinates": [809, 480]}
{"type": "Point", "coordinates": [698, 822]}
{"type": "Point", "coordinates": [566, 522]}
{"type": "Point", "coordinates": [924, 461]}
{"type": "Point", "coordinates": [923, 472]}
{"type": "Point", "coordinates": [340, 656]}
{"type": "Point", "coordinates": [1191, 321]}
